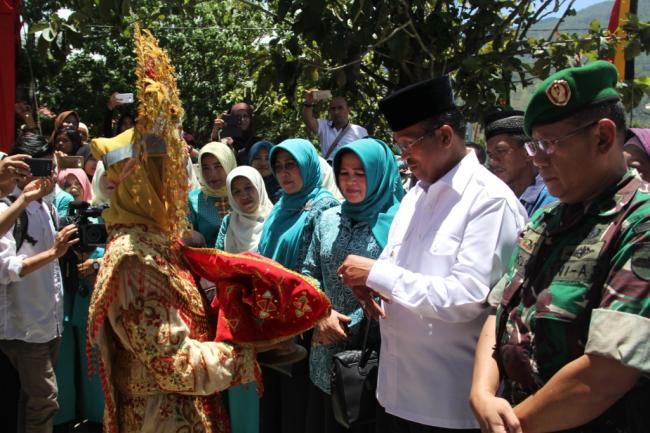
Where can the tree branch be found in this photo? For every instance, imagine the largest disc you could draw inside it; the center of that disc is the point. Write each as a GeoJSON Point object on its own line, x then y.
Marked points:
{"type": "Point", "coordinates": [561, 20]}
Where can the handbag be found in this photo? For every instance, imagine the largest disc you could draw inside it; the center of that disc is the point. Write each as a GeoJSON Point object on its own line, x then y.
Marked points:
{"type": "Point", "coordinates": [353, 384]}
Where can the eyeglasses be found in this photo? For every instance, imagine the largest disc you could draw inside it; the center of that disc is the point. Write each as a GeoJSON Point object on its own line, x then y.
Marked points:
{"type": "Point", "coordinates": [405, 147]}
{"type": "Point", "coordinates": [547, 145]}
{"type": "Point", "coordinates": [289, 166]}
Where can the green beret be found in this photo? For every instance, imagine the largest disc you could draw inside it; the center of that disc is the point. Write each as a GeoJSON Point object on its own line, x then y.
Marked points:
{"type": "Point", "coordinates": [570, 90]}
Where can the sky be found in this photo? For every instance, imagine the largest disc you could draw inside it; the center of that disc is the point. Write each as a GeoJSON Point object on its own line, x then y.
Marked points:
{"type": "Point", "coordinates": [581, 4]}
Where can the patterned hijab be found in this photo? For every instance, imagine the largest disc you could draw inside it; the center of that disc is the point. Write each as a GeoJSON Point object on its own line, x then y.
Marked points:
{"type": "Point", "coordinates": [245, 229]}
{"type": "Point", "coordinates": [282, 234]}
{"type": "Point", "coordinates": [383, 186]}
{"type": "Point", "coordinates": [226, 158]}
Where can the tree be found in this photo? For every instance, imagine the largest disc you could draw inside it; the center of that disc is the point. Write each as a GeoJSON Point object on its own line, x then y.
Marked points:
{"type": "Point", "coordinates": [269, 52]}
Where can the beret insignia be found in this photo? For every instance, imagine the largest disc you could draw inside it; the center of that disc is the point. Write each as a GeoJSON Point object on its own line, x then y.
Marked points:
{"type": "Point", "coordinates": [559, 93]}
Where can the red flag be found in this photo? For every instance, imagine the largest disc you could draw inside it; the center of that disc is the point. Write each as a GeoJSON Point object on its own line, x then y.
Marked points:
{"type": "Point", "coordinates": [620, 10]}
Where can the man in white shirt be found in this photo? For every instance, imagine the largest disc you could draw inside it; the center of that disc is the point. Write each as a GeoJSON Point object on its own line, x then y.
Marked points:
{"type": "Point", "coordinates": [450, 241]}
{"type": "Point", "coordinates": [31, 306]}
{"type": "Point", "coordinates": [335, 132]}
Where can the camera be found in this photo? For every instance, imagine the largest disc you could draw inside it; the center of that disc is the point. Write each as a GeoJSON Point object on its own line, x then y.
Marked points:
{"type": "Point", "coordinates": [91, 236]}
{"type": "Point", "coordinates": [232, 120]}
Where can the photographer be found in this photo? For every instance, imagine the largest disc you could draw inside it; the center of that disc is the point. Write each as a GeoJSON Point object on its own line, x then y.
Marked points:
{"type": "Point", "coordinates": [111, 127]}
{"type": "Point", "coordinates": [335, 132]}
{"type": "Point", "coordinates": [31, 307]}
{"type": "Point", "coordinates": [237, 124]}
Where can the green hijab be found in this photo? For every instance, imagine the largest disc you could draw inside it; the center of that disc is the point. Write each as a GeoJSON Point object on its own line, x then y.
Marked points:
{"type": "Point", "coordinates": [282, 234]}
{"type": "Point", "coordinates": [383, 186]}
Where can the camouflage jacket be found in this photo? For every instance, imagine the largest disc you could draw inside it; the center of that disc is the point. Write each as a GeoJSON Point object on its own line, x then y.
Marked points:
{"type": "Point", "coordinates": [579, 284]}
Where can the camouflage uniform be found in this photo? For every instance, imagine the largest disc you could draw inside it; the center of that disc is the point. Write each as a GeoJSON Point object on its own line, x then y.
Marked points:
{"type": "Point", "coordinates": [578, 284]}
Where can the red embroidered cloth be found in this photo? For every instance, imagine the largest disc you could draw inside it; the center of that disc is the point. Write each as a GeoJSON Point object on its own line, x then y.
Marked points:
{"type": "Point", "coordinates": [258, 300]}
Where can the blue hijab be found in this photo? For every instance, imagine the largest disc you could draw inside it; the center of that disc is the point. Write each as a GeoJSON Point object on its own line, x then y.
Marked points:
{"type": "Point", "coordinates": [282, 233]}
{"type": "Point", "coordinates": [384, 189]}
{"type": "Point", "coordinates": [271, 184]}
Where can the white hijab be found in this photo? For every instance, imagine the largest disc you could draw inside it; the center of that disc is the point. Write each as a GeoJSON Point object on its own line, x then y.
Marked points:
{"type": "Point", "coordinates": [100, 194]}
{"type": "Point", "coordinates": [329, 182]}
{"type": "Point", "coordinates": [244, 230]}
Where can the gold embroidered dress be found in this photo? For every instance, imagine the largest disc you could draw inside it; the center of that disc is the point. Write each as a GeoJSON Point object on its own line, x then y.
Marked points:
{"type": "Point", "coordinates": [147, 326]}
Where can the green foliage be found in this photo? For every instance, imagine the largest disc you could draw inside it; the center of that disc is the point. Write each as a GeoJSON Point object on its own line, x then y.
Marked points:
{"type": "Point", "coordinates": [269, 52]}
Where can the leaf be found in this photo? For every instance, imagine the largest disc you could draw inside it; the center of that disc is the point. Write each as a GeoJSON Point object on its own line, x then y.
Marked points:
{"type": "Point", "coordinates": [38, 27]}
{"type": "Point", "coordinates": [48, 35]}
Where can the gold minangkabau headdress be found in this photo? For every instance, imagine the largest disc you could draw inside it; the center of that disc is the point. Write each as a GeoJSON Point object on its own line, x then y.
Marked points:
{"type": "Point", "coordinates": [159, 115]}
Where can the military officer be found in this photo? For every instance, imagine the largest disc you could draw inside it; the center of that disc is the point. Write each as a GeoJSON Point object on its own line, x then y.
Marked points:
{"type": "Point", "coordinates": [571, 335]}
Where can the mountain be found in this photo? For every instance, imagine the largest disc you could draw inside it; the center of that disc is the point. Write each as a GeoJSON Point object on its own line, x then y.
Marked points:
{"type": "Point", "coordinates": [579, 24]}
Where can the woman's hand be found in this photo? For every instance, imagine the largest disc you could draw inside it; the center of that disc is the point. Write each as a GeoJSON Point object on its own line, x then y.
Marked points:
{"type": "Point", "coordinates": [85, 268]}
{"type": "Point", "coordinates": [332, 329]}
{"type": "Point", "coordinates": [218, 122]}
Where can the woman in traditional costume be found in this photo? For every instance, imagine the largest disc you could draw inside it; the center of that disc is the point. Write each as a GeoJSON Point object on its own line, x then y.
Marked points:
{"type": "Point", "coordinates": [147, 320]}
{"type": "Point", "coordinates": [209, 203]}
{"type": "Point", "coordinates": [368, 177]}
{"type": "Point", "coordinates": [286, 237]}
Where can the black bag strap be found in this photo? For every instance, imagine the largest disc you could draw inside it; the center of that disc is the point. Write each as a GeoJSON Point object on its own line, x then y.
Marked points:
{"type": "Point", "coordinates": [365, 350]}
{"type": "Point", "coordinates": [336, 141]}
{"type": "Point", "coordinates": [20, 226]}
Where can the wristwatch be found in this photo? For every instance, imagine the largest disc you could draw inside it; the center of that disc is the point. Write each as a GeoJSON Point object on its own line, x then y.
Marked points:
{"type": "Point", "coordinates": [96, 265]}
{"type": "Point", "coordinates": [308, 105]}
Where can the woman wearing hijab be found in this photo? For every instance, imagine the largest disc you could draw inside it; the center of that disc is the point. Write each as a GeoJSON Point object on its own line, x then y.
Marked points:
{"type": "Point", "coordinates": [65, 135]}
{"type": "Point", "coordinates": [81, 395]}
{"type": "Point", "coordinates": [250, 206]}
{"type": "Point", "coordinates": [368, 177]}
{"type": "Point", "coordinates": [240, 232]}
{"type": "Point", "coordinates": [258, 158]}
{"type": "Point", "coordinates": [209, 203]}
{"type": "Point", "coordinates": [285, 239]}
{"type": "Point", "coordinates": [75, 182]}
{"type": "Point", "coordinates": [243, 141]}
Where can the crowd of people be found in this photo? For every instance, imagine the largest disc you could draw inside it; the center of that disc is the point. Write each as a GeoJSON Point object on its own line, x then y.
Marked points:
{"type": "Point", "coordinates": [509, 295]}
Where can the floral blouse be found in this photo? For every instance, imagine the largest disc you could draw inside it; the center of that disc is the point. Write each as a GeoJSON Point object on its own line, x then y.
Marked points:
{"type": "Point", "coordinates": [336, 237]}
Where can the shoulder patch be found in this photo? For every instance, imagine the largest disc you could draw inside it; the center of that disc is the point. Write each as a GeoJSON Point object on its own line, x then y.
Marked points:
{"type": "Point", "coordinates": [640, 262]}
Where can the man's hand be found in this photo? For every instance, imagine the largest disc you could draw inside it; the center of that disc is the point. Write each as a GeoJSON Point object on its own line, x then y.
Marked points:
{"type": "Point", "coordinates": [309, 96]}
{"type": "Point", "coordinates": [113, 102]}
{"type": "Point", "coordinates": [62, 240]}
{"type": "Point", "coordinates": [331, 329]}
{"type": "Point", "coordinates": [366, 298]}
{"type": "Point", "coordinates": [495, 415]}
{"type": "Point", "coordinates": [38, 188]}
{"type": "Point", "coordinates": [13, 168]}
{"type": "Point", "coordinates": [354, 270]}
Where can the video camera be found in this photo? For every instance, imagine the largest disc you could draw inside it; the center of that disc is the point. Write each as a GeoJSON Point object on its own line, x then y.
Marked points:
{"type": "Point", "coordinates": [91, 236]}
